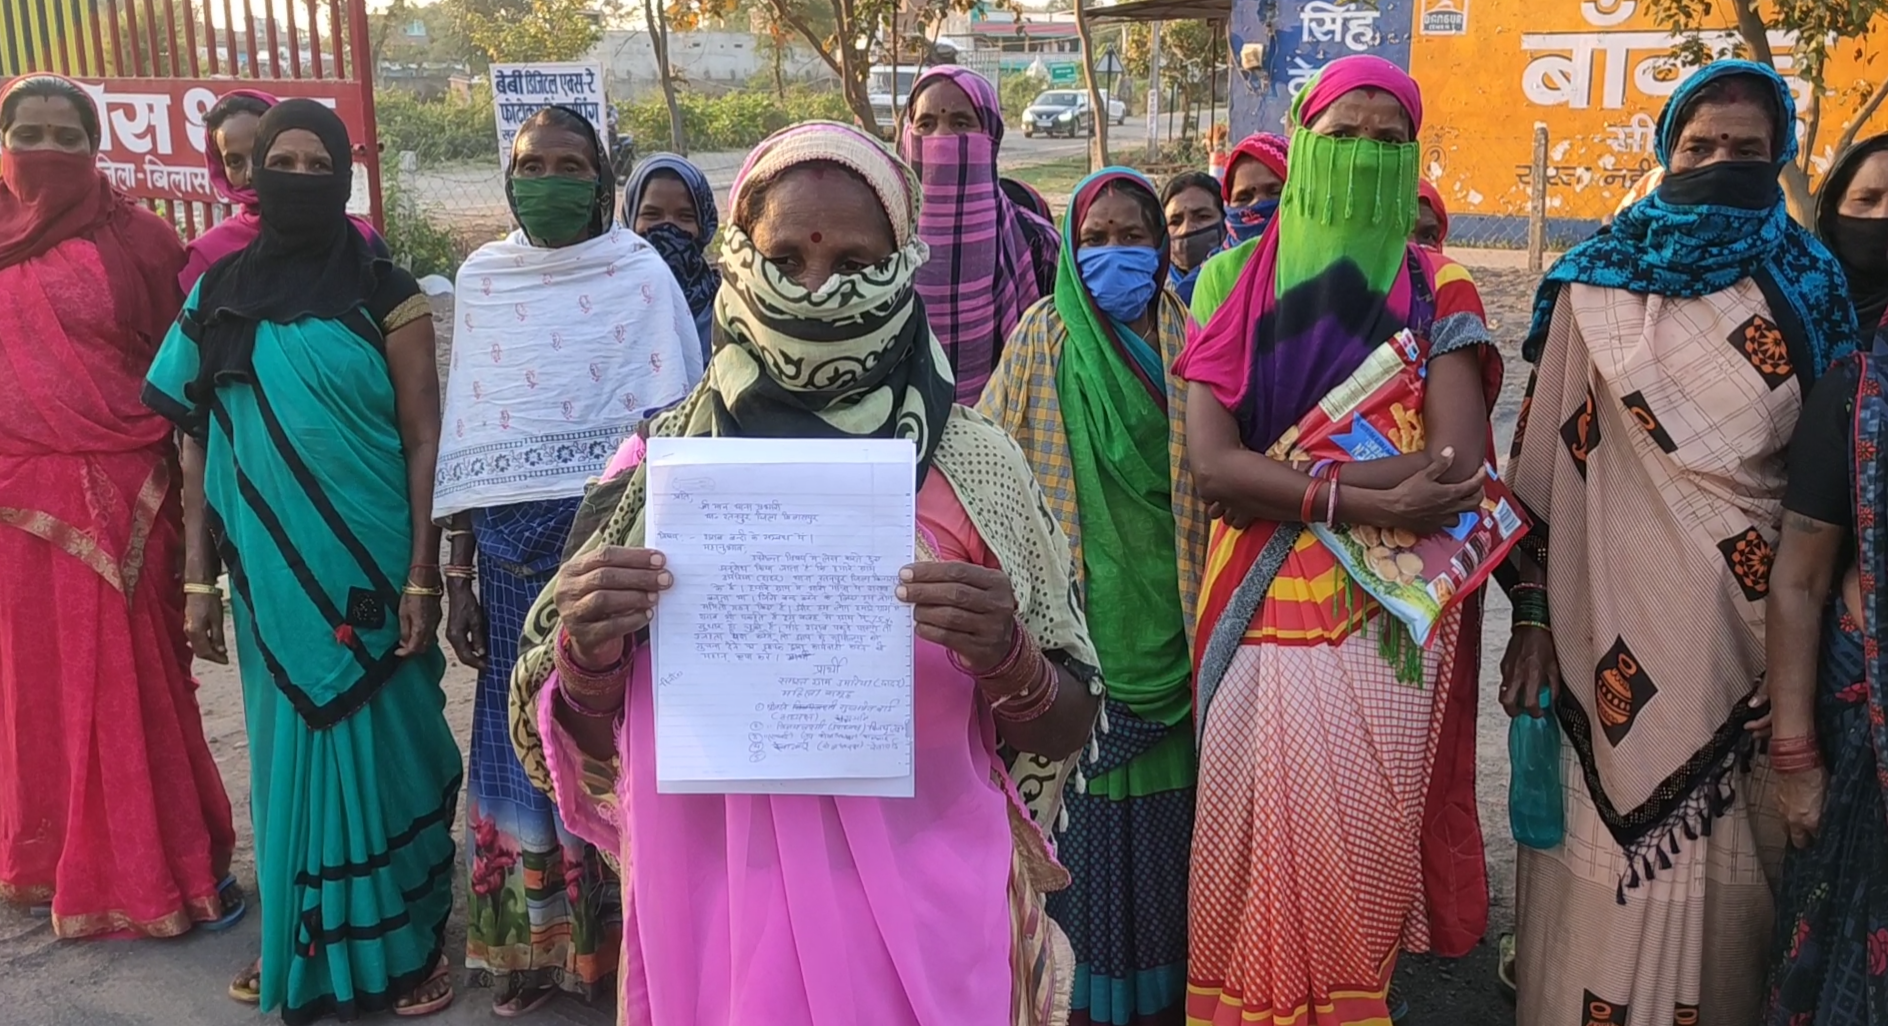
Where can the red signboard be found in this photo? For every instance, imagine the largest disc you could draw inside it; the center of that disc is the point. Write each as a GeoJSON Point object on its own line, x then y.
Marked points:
{"type": "Point", "coordinates": [152, 137]}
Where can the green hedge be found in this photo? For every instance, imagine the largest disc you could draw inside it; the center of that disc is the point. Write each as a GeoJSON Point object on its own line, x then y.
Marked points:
{"type": "Point", "coordinates": [733, 121]}
{"type": "Point", "coordinates": [447, 130]}
{"type": "Point", "coordinates": [436, 130]}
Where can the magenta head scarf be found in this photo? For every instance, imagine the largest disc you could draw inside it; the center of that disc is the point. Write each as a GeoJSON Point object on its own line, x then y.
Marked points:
{"type": "Point", "coordinates": [240, 228]}
{"type": "Point", "coordinates": [1362, 71]}
{"type": "Point", "coordinates": [982, 274]}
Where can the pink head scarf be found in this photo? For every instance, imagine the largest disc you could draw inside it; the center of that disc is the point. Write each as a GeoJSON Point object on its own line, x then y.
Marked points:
{"type": "Point", "coordinates": [1431, 195]}
{"type": "Point", "coordinates": [240, 228]}
{"type": "Point", "coordinates": [1362, 71]}
{"type": "Point", "coordinates": [1268, 148]}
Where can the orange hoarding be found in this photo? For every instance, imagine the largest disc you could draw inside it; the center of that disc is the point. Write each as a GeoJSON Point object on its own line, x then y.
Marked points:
{"type": "Point", "coordinates": [1596, 73]}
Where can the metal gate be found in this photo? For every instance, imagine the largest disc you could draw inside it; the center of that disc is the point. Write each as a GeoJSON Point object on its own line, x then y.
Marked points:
{"type": "Point", "coordinates": [155, 67]}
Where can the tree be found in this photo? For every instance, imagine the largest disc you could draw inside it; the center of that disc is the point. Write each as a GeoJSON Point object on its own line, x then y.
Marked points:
{"type": "Point", "coordinates": [1817, 28]}
{"type": "Point", "coordinates": [658, 21]}
{"type": "Point", "coordinates": [1189, 55]}
{"type": "Point", "coordinates": [529, 30]}
{"type": "Point", "coordinates": [844, 34]}
{"type": "Point", "coordinates": [1098, 149]}
{"type": "Point", "coordinates": [388, 39]}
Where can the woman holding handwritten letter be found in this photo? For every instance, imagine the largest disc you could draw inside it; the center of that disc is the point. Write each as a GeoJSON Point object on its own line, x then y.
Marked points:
{"type": "Point", "coordinates": [1336, 820]}
{"type": "Point", "coordinates": [808, 911]}
{"type": "Point", "coordinates": [1083, 388]}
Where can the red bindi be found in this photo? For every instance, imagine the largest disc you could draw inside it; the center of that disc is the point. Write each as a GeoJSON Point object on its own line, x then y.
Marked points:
{"type": "Point", "coordinates": [817, 236]}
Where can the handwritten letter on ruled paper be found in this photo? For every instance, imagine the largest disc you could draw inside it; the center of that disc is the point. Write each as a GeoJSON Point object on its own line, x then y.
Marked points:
{"type": "Point", "coordinates": [783, 658]}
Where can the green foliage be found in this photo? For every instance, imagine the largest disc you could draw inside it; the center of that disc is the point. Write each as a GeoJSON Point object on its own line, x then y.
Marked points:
{"type": "Point", "coordinates": [734, 121]}
{"type": "Point", "coordinates": [1818, 25]}
{"type": "Point", "coordinates": [1016, 92]}
{"type": "Point", "coordinates": [438, 130]}
{"type": "Point", "coordinates": [1188, 52]}
{"type": "Point", "coordinates": [418, 243]}
{"type": "Point", "coordinates": [530, 30]}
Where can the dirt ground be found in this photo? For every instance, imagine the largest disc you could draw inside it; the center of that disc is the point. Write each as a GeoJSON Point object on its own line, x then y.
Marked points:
{"type": "Point", "coordinates": [44, 982]}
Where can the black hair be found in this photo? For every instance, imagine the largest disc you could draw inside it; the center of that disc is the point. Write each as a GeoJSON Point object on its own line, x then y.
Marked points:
{"type": "Point", "coordinates": [230, 106]}
{"type": "Point", "coordinates": [1740, 88]}
{"type": "Point", "coordinates": [1192, 180]}
{"type": "Point", "coordinates": [1151, 208]}
{"type": "Point", "coordinates": [1024, 197]}
{"type": "Point", "coordinates": [50, 87]}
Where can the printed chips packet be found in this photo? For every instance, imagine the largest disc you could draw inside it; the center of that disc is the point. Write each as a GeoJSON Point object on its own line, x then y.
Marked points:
{"type": "Point", "coordinates": [1374, 414]}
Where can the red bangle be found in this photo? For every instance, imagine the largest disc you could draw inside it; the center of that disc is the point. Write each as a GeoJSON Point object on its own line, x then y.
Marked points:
{"type": "Point", "coordinates": [571, 703]}
{"type": "Point", "coordinates": [1795, 754]}
{"type": "Point", "coordinates": [1305, 510]}
{"type": "Point", "coordinates": [1031, 706]}
{"type": "Point", "coordinates": [1330, 505]}
{"type": "Point", "coordinates": [1019, 640]}
{"type": "Point", "coordinates": [577, 678]}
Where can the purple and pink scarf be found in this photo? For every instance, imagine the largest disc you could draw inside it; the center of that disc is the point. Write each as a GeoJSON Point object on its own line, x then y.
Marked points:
{"type": "Point", "coordinates": [983, 272]}
{"type": "Point", "coordinates": [239, 229]}
{"type": "Point", "coordinates": [1330, 280]}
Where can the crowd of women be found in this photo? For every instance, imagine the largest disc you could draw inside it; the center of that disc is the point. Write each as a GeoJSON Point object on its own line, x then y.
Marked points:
{"type": "Point", "coordinates": [1172, 765]}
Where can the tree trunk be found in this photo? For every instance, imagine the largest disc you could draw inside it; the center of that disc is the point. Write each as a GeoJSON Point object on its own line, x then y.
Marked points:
{"type": "Point", "coordinates": [658, 21]}
{"type": "Point", "coordinates": [780, 60]}
{"type": "Point", "coordinates": [1098, 111]}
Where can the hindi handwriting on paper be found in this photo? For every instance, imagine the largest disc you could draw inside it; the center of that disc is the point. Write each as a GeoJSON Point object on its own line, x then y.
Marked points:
{"type": "Point", "coordinates": [782, 653]}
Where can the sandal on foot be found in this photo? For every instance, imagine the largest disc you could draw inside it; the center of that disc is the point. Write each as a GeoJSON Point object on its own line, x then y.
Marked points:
{"type": "Point", "coordinates": [440, 982]}
{"type": "Point", "coordinates": [504, 1007]}
{"type": "Point", "coordinates": [247, 986]}
{"type": "Point", "coordinates": [234, 905]}
{"type": "Point", "coordinates": [1504, 965]}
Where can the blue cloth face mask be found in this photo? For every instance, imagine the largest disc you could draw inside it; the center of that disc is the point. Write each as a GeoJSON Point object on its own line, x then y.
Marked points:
{"type": "Point", "coordinates": [1121, 278]}
{"type": "Point", "coordinates": [1243, 224]}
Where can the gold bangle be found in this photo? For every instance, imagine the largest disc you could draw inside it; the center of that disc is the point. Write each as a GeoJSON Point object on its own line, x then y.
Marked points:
{"type": "Point", "coordinates": [423, 592]}
{"type": "Point", "coordinates": [192, 588]}
{"type": "Point", "coordinates": [463, 573]}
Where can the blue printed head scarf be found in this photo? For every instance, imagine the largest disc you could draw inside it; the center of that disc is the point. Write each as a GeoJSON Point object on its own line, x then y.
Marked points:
{"type": "Point", "coordinates": [1660, 248]}
{"type": "Point", "coordinates": [686, 257]}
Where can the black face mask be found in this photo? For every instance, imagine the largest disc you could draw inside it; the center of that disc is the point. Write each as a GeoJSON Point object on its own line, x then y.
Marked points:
{"type": "Point", "coordinates": [302, 208]}
{"type": "Point", "coordinates": [1743, 184]}
{"type": "Point", "coordinates": [1862, 245]}
{"type": "Point", "coordinates": [1193, 248]}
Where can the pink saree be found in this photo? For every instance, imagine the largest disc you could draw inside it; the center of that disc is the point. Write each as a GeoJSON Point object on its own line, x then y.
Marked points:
{"type": "Point", "coordinates": [797, 910]}
{"type": "Point", "coordinates": [110, 802]}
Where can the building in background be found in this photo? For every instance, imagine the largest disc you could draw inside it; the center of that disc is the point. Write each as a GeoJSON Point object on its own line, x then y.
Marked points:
{"type": "Point", "coordinates": [715, 60]}
{"type": "Point", "coordinates": [1596, 73]}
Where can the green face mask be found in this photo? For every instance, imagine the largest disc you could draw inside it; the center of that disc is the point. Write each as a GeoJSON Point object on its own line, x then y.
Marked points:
{"type": "Point", "coordinates": [1352, 199]}
{"type": "Point", "coordinates": [554, 210]}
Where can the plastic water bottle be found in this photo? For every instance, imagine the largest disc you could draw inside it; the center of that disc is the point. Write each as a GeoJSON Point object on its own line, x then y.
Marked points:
{"type": "Point", "coordinates": [1536, 804]}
